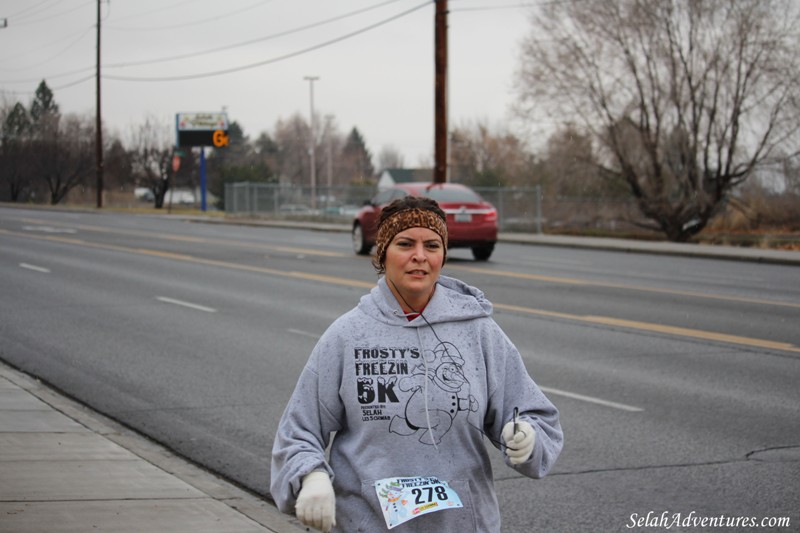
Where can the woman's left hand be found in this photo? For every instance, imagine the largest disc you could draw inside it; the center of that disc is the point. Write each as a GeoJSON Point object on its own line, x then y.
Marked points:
{"type": "Point", "coordinates": [519, 445]}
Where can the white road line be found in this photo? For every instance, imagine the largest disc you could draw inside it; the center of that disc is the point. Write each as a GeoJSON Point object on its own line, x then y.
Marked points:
{"type": "Point", "coordinates": [34, 267]}
{"type": "Point", "coordinates": [590, 399]}
{"type": "Point", "coordinates": [185, 304]}
{"type": "Point", "coordinates": [303, 333]}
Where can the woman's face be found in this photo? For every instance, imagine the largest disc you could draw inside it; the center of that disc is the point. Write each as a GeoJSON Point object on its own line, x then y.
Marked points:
{"type": "Point", "coordinates": [413, 262]}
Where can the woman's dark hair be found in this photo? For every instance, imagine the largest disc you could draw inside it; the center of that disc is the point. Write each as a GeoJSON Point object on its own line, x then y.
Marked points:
{"type": "Point", "coordinates": [411, 202]}
{"type": "Point", "coordinates": [403, 204]}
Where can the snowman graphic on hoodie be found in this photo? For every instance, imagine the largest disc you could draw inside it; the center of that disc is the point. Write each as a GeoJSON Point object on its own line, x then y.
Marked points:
{"type": "Point", "coordinates": [448, 394]}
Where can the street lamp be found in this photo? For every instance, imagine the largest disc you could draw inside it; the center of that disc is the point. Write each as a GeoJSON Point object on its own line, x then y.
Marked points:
{"type": "Point", "coordinates": [311, 80]}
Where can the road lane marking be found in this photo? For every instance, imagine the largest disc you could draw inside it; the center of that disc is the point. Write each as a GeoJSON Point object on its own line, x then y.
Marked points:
{"type": "Point", "coordinates": [592, 399]}
{"type": "Point", "coordinates": [199, 240]}
{"type": "Point", "coordinates": [35, 268]}
{"type": "Point", "coordinates": [305, 251]}
{"type": "Point", "coordinates": [303, 333]}
{"type": "Point", "coordinates": [48, 229]}
{"type": "Point", "coordinates": [606, 321]}
{"type": "Point", "coordinates": [609, 285]}
{"type": "Point", "coordinates": [657, 328]}
{"type": "Point", "coordinates": [185, 304]}
{"type": "Point", "coordinates": [464, 268]}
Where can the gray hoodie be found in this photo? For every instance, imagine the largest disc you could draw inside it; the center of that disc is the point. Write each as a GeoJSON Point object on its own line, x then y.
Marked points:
{"type": "Point", "coordinates": [411, 398]}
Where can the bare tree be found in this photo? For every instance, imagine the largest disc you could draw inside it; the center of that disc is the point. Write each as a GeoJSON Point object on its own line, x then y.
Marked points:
{"type": "Point", "coordinates": [686, 98]}
{"type": "Point", "coordinates": [389, 157]}
{"type": "Point", "coordinates": [64, 154]}
{"type": "Point", "coordinates": [294, 162]}
{"type": "Point", "coordinates": [151, 152]}
{"type": "Point", "coordinates": [62, 148]}
{"type": "Point", "coordinates": [482, 156]}
{"type": "Point", "coordinates": [292, 136]}
{"type": "Point", "coordinates": [569, 167]}
{"type": "Point", "coordinates": [329, 164]}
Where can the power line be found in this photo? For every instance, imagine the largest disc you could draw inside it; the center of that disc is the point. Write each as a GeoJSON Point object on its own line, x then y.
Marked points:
{"type": "Point", "coordinates": [235, 45]}
{"type": "Point", "coordinates": [52, 88]}
{"type": "Point", "coordinates": [494, 8]}
{"type": "Point", "coordinates": [29, 8]}
{"type": "Point", "coordinates": [251, 41]}
{"type": "Point", "coordinates": [63, 74]}
{"type": "Point", "coordinates": [54, 15]}
{"type": "Point", "coordinates": [273, 60]}
{"type": "Point", "coordinates": [63, 50]}
{"type": "Point", "coordinates": [162, 8]}
{"type": "Point", "coordinates": [519, 5]}
{"type": "Point", "coordinates": [189, 24]}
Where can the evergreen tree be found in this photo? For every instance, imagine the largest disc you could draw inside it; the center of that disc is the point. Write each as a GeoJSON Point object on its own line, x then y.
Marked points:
{"type": "Point", "coordinates": [15, 152]}
{"type": "Point", "coordinates": [43, 104]}
{"type": "Point", "coordinates": [356, 159]}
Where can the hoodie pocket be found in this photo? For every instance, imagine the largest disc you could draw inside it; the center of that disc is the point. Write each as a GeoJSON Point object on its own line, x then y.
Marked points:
{"type": "Point", "coordinates": [456, 520]}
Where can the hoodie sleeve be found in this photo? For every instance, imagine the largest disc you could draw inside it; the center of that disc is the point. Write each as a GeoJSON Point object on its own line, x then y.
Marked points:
{"type": "Point", "coordinates": [313, 412]}
{"type": "Point", "coordinates": [511, 386]}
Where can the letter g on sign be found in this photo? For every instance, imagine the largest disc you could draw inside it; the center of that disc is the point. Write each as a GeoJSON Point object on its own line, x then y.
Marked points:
{"type": "Point", "coordinates": [220, 138]}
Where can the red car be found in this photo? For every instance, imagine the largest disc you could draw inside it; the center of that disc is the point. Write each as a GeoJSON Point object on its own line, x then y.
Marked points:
{"type": "Point", "coordinates": [471, 220]}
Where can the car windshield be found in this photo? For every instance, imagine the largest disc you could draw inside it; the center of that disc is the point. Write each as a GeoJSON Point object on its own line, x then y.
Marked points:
{"type": "Point", "coordinates": [452, 195]}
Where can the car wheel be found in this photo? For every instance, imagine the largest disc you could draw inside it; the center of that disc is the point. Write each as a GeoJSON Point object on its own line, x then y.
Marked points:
{"type": "Point", "coordinates": [482, 253]}
{"type": "Point", "coordinates": [360, 246]}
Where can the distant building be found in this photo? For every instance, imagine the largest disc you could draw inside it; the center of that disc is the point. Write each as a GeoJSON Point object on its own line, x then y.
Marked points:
{"type": "Point", "coordinates": [393, 176]}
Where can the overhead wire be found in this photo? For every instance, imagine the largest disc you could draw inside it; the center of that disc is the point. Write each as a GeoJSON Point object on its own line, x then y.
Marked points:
{"type": "Point", "coordinates": [239, 68]}
{"type": "Point", "coordinates": [519, 5]}
{"type": "Point", "coordinates": [251, 41]}
{"type": "Point", "coordinates": [21, 14]}
{"type": "Point", "coordinates": [157, 10]}
{"type": "Point", "coordinates": [81, 36]}
{"type": "Point", "coordinates": [493, 8]}
{"type": "Point", "coordinates": [268, 61]}
{"type": "Point", "coordinates": [54, 15]}
{"type": "Point", "coordinates": [191, 23]}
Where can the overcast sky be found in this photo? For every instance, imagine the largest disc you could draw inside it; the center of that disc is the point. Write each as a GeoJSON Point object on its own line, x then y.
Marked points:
{"type": "Point", "coordinates": [374, 60]}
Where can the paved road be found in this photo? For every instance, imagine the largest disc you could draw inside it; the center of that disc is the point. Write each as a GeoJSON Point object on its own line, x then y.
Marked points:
{"type": "Point", "coordinates": [676, 377]}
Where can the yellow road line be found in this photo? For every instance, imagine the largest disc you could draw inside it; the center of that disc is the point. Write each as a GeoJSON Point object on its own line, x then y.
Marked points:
{"type": "Point", "coordinates": [575, 281]}
{"type": "Point", "coordinates": [477, 270]}
{"type": "Point", "coordinates": [335, 280]}
{"type": "Point", "coordinates": [656, 328]}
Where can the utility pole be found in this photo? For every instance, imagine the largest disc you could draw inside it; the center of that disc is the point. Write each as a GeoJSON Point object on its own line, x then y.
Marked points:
{"type": "Point", "coordinates": [311, 80]}
{"type": "Point", "coordinates": [99, 122]}
{"type": "Point", "coordinates": [440, 100]}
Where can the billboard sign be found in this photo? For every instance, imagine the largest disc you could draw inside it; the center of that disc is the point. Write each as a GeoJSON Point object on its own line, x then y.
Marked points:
{"type": "Point", "coordinates": [202, 129]}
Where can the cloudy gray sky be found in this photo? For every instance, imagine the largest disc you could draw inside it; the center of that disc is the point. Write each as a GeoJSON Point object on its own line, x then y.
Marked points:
{"type": "Point", "coordinates": [373, 58]}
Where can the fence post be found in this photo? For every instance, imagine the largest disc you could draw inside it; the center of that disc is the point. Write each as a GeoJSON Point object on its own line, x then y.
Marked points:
{"type": "Point", "coordinates": [256, 186]}
{"type": "Point", "coordinates": [501, 215]}
{"type": "Point", "coordinates": [538, 190]}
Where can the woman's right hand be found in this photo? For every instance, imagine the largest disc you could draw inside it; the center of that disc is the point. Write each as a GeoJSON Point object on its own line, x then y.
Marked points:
{"type": "Point", "coordinates": [316, 502]}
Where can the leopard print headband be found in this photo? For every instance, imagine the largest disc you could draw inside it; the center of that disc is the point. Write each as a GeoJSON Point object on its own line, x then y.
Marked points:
{"type": "Point", "coordinates": [401, 221]}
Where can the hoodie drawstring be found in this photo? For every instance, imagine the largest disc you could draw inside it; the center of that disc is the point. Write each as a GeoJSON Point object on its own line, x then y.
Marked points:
{"type": "Point", "coordinates": [425, 380]}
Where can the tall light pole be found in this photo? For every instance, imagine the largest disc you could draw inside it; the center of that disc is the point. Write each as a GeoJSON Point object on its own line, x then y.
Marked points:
{"type": "Point", "coordinates": [311, 143]}
{"type": "Point", "coordinates": [98, 121]}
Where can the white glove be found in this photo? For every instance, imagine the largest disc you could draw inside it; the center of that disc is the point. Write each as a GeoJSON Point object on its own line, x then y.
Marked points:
{"type": "Point", "coordinates": [316, 502]}
{"type": "Point", "coordinates": [519, 445]}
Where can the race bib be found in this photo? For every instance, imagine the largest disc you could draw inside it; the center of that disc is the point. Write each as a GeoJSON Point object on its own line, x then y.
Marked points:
{"type": "Point", "coordinates": [405, 498]}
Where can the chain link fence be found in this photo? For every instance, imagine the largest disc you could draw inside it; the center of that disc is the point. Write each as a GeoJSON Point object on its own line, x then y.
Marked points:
{"type": "Point", "coordinates": [519, 209]}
